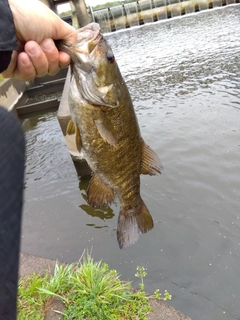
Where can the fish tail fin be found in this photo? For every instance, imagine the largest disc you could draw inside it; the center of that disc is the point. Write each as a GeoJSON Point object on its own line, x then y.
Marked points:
{"type": "Point", "coordinates": [132, 223]}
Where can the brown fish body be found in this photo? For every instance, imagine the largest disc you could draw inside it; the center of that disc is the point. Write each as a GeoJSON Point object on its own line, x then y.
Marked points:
{"type": "Point", "coordinates": [108, 134]}
{"type": "Point", "coordinates": [118, 166]}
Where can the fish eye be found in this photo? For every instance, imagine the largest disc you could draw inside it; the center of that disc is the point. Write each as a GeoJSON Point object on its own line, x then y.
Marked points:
{"type": "Point", "coordinates": [110, 57]}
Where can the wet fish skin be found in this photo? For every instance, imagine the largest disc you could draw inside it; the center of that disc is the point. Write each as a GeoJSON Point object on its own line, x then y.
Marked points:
{"type": "Point", "coordinates": [108, 134]}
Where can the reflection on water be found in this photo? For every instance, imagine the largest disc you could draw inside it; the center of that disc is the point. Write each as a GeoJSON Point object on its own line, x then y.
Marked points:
{"type": "Point", "coordinates": [183, 75]}
{"type": "Point", "coordinates": [103, 213]}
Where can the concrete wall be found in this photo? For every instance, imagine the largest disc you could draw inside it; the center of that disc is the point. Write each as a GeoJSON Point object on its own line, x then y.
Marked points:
{"type": "Point", "coordinates": [11, 91]}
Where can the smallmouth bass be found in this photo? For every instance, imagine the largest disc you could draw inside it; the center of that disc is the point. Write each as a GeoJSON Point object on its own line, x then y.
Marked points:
{"type": "Point", "coordinates": [108, 134]}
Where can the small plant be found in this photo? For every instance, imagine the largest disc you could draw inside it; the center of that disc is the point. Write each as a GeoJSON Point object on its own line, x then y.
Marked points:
{"type": "Point", "coordinates": [158, 295]}
{"type": "Point", "coordinates": [141, 273]}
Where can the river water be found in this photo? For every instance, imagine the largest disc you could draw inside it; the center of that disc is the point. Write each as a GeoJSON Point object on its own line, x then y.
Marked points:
{"type": "Point", "coordinates": [184, 79]}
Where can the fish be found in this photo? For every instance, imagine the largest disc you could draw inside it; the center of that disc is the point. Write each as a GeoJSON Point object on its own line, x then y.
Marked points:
{"type": "Point", "coordinates": [107, 133]}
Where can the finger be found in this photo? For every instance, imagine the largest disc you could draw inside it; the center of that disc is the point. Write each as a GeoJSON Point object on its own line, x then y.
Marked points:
{"type": "Point", "coordinates": [20, 67]}
{"type": "Point", "coordinates": [37, 57]}
{"type": "Point", "coordinates": [64, 59]}
{"type": "Point", "coordinates": [25, 69]}
{"type": "Point", "coordinates": [52, 55]}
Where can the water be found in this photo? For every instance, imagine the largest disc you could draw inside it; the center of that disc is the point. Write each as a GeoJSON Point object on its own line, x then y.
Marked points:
{"type": "Point", "coordinates": [183, 75]}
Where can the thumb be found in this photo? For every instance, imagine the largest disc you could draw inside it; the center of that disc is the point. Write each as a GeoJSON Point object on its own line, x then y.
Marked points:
{"type": "Point", "coordinates": [63, 31]}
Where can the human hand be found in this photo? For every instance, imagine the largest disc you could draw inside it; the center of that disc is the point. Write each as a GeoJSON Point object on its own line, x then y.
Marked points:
{"type": "Point", "coordinates": [36, 28]}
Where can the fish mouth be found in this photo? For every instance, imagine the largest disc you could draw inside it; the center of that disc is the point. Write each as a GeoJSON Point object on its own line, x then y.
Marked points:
{"type": "Point", "coordinates": [86, 61]}
{"type": "Point", "coordinates": [87, 40]}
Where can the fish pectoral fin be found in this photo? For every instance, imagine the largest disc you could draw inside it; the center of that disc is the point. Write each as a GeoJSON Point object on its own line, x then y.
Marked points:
{"type": "Point", "coordinates": [70, 128]}
{"type": "Point", "coordinates": [105, 129]}
{"type": "Point", "coordinates": [150, 163]}
{"type": "Point", "coordinates": [98, 194]}
{"type": "Point", "coordinates": [78, 139]}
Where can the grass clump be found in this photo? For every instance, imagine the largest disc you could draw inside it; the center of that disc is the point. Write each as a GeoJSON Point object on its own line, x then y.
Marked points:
{"type": "Point", "coordinates": [30, 302]}
{"type": "Point", "coordinates": [88, 290]}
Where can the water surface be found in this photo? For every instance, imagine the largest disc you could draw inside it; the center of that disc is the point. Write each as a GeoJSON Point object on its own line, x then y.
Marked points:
{"type": "Point", "coordinates": [183, 75]}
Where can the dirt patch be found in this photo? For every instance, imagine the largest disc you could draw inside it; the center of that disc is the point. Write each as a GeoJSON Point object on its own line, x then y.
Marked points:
{"type": "Point", "coordinates": [53, 309]}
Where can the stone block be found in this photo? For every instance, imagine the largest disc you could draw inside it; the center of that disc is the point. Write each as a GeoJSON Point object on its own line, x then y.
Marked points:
{"type": "Point", "coordinates": [11, 91]}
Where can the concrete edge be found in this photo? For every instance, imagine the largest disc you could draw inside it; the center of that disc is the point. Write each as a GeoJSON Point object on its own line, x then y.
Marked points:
{"type": "Point", "coordinates": [11, 91]}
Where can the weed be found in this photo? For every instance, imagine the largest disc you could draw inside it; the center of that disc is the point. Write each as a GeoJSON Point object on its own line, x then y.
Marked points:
{"type": "Point", "coordinates": [30, 302]}
{"type": "Point", "coordinates": [141, 273]}
{"type": "Point", "coordinates": [88, 289]}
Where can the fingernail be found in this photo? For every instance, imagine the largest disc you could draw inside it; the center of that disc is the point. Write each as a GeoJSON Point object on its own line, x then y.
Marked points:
{"type": "Point", "coordinates": [47, 44]}
{"type": "Point", "coordinates": [34, 51]}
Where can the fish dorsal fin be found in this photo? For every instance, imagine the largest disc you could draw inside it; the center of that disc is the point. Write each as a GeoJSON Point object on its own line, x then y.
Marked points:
{"type": "Point", "coordinates": [150, 163]}
{"type": "Point", "coordinates": [78, 139]}
{"type": "Point", "coordinates": [105, 128]}
{"type": "Point", "coordinates": [70, 128]}
{"type": "Point", "coordinates": [98, 193]}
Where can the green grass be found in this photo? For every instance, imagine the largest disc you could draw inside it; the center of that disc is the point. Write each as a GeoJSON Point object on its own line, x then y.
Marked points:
{"type": "Point", "coordinates": [66, 13]}
{"type": "Point", "coordinates": [30, 302]}
{"type": "Point", "coordinates": [1, 78]}
{"type": "Point", "coordinates": [111, 4]}
{"type": "Point", "coordinates": [89, 290]}
{"type": "Point", "coordinates": [100, 6]}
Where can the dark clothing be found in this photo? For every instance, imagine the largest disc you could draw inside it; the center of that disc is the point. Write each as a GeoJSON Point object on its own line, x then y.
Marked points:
{"type": "Point", "coordinates": [12, 154]}
{"type": "Point", "coordinates": [8, 40]}
{"type": "Point", "coordinates": [5, 58]}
